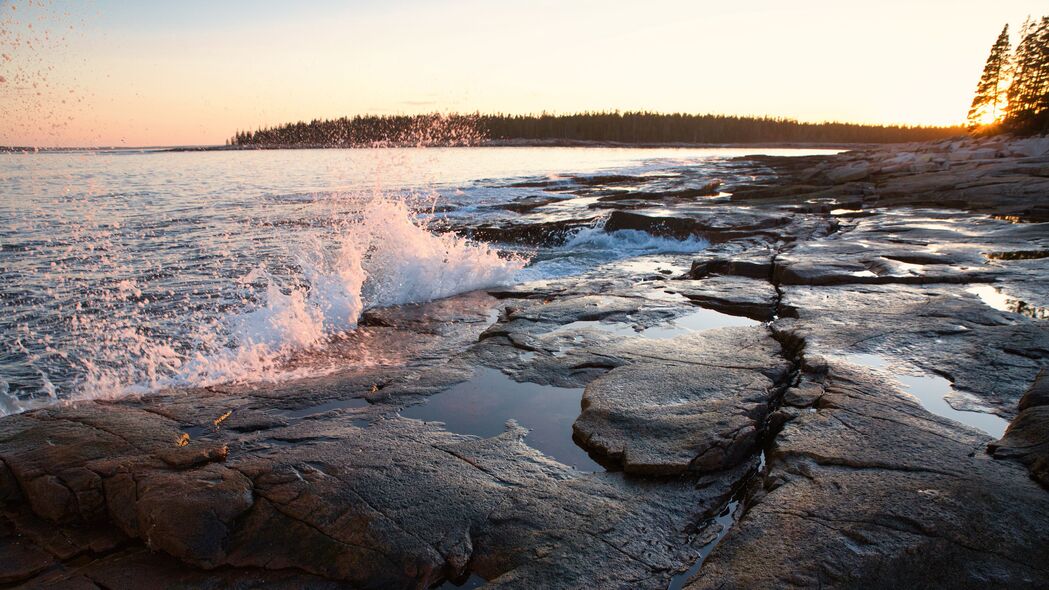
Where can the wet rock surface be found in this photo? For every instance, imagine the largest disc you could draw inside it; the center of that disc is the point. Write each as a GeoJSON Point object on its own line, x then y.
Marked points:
{"type": "Point", "coordinates": [751, 408]}
{"type": "Point", "coordinates": [1027, 438]}
{"type": "Point", "coordinates": [664, 417]}
{"type": "Point", "coordinates": [870, 491]}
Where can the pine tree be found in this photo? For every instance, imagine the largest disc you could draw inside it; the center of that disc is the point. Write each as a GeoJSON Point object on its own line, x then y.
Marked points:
{"type": "Point", "coordinates": [991, 90]}
{"type": "Point", "coordinates": [1028, 95]}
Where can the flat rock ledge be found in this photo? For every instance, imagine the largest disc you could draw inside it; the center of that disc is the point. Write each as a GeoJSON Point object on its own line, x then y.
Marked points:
{"type": "Point", "coordinates": [397, 504]}
{"type": "Point", "coordinates": [665, 418]}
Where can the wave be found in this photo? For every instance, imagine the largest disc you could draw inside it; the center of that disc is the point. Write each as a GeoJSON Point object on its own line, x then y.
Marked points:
{"type": "Point", "coordinates": [382, 256]}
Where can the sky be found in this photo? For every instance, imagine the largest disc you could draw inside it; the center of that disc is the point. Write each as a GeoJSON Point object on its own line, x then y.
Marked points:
{"type": "Point", "coordinates": [193, 72]}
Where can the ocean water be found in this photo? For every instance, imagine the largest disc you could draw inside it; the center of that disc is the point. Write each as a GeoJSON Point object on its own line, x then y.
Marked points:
{"type": "Point", "coordinates": [130, 271]}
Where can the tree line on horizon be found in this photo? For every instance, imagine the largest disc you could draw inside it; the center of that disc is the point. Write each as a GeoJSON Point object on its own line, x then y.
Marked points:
{"type": "Point", "coordinates": [1013, 92]}
{"type": "Point", "coordinates": [617, 127]}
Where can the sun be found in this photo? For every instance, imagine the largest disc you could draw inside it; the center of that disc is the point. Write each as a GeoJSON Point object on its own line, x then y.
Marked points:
{"type": "Point", "coordinates": [988, 117]}
{"type": "Point", "coordinates": [991, 114]}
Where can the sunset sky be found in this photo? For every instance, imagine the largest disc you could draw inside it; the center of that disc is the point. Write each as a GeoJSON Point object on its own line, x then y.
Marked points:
{"type": "Point", "coordinates": [125, 72]}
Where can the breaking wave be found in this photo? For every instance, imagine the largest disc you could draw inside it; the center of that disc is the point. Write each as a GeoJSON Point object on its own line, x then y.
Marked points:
{"type": "Point", "coordinates": [383, 257]}
{"type": "Point", "coordinates": [113, 292]}
{"type": "Point", "coordinates": [379, 254]}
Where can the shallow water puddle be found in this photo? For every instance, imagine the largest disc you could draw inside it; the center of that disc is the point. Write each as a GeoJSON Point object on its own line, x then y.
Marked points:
{"type": "Point", "coordinates": [694, 321]}
{"type": "Point", "coordinates": [700, 319]}
{"type": "Point", "coordinates": [930, 390]}
{"type": "Point", "coordinates": [482, 405]}
{"type": "Point", "coordinates": [617, 328]}
{"type": "Point", "coordinates": [994, 297]}
{"type": "Point", "coordinates": [664, 265]}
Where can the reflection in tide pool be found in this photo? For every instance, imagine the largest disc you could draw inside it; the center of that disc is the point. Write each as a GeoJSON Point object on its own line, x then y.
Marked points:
{"type": "Point", "coordinates": [482, 406]}
{"type": "Point", "coordinates": [701, 319]}
{"type": "Point", "coordinates": [693, 321]}
{"type": "Point", "coordinates": [931, 391]}
{"type": "Point", "coordinates": [724, 520]}
{"type": "Point", "coordinates": [994, 297]}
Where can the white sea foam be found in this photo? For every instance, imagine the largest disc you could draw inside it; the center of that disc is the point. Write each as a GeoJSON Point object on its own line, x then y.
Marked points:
{"type": "Point", "coordinates": [383, 257]}
{"type": "Point", "coordinates": [631, 242]}
{"type": "Point", "coordinates": [591, 247]}
{"type": "Point", "coordinates": [375, 253]}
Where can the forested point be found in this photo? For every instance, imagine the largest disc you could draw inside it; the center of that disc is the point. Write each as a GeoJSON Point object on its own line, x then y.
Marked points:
{"type": "Point", "coordinates": [608, 127]}
{"type": "Point", "coordinates": [1012, 95]}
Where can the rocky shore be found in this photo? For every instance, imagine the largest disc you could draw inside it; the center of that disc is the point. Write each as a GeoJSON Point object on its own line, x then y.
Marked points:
{"type": "Point", "coordinates": [848, 388]}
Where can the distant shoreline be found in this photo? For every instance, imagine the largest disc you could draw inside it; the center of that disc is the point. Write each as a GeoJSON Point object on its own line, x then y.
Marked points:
{"type": "Point", "coordinates": [492, 143]}
{"type": "Point", "coordinates": [551, 143]}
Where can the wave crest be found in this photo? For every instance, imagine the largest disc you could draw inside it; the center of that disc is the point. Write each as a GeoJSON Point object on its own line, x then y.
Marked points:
{"type": "Point", "coordinates": [382, 256]}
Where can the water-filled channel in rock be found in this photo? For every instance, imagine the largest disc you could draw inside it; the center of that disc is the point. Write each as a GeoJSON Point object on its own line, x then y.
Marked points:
{"type": "Point", "coordinates": [725, 521]}
{"type": "Point", "coordinates": [328, 406]}
{"type": "Point", "coordinates": [482, 405]}
{"type": "Point", "coordinates": [994, 297]}
{"type": "Point", "coordinates": [700, 319]}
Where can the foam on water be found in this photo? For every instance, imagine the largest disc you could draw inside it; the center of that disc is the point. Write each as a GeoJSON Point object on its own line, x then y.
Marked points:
{"type": "Point", "coordinates": [106, 331]}
{"type": "Point", "coordinates": [385, 256]}
{"type": "Point", "coordinates": [631, 242]}
{"type": "Point", "coordinates": [369, 252]}
{"type": "Point", "coordinates": [592, 246]}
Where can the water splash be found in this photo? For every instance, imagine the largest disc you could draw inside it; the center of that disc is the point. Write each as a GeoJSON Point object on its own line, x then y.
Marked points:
{"type": "Point", "coordinates": [106, 321]}
{"type": "Point", "coordinates": [385, 257]}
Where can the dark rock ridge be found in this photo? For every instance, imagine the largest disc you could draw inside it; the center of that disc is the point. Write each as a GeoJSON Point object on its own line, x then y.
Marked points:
{"type": "Point", "coordinates": [867, 490]}
{"type": "Point", "coordinates": [1027, 438]}
{"type": "Point", "coordinates": [730, 224]}
{"type": "Point", "coordinates": [857, 272]}
{"type": "Point", "coordinates": [531, 234]}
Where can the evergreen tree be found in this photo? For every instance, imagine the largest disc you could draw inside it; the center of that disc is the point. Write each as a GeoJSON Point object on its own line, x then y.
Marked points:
{"type": "Point", "coordinates": [991, 90]}
{"type": "Point", "coordinates": [628, 127]}
{"type": "Point", "coordinates": [1028, 111]}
